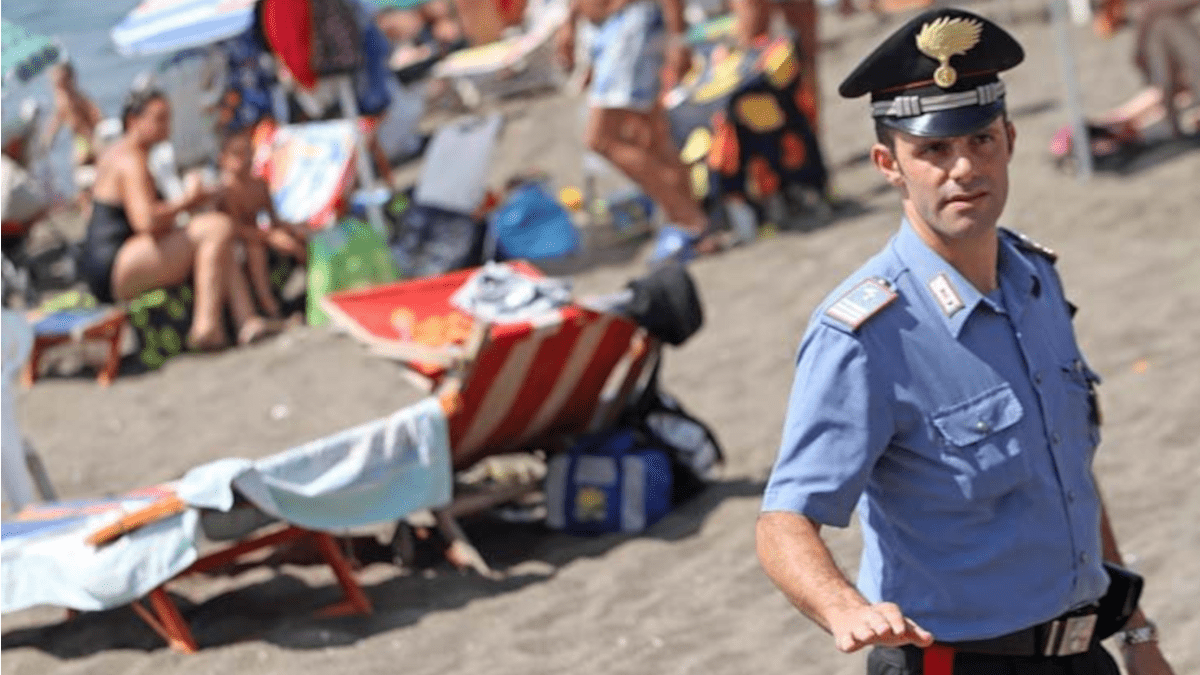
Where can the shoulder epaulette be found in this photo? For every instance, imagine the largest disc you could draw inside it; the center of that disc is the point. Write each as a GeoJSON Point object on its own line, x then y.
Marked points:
{"type": "Point", "coordinates": [1027, 244]}
{"type": "Point", "coordinates": [861, 302]}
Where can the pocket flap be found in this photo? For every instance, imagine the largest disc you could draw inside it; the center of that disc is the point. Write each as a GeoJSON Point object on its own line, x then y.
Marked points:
{"type": "Point", "coordinates": [978, 417]}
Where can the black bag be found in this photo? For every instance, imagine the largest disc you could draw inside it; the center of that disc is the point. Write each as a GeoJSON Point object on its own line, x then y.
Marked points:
{"type": "Point", "coordinates": [666, 304]}
{"type": "Point", "coordinates": [695, 452]}
{"type": "Point", "coordinates": [429, 241]}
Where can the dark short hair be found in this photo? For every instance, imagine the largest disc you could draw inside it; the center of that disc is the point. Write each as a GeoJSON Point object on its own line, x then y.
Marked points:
{"type": "Point", "coordinates": [885, 135]}
{"type": "Point", "coordinates": [137, 102]}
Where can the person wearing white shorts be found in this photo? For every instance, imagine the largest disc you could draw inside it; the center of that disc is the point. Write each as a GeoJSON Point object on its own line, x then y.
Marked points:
{"type": "Point", "coordinates": [637, 41]}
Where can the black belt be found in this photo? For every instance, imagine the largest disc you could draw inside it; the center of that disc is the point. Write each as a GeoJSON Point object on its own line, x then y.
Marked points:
{"type": "Point", "coordinates": [1071, 633]}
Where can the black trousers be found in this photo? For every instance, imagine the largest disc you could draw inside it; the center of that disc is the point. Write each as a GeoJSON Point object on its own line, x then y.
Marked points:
{"type": "Point", "coordinates": [907, 661]}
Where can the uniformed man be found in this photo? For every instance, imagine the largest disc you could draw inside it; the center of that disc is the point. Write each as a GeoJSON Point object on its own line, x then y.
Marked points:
{"type": "Point", "coordinates": [940, 390]}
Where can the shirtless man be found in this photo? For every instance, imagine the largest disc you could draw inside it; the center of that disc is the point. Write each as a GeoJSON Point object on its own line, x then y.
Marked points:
{"type": "Point", "coordinates": [627, 124]}
{"type": "Point", "coordinates": [243, 197]}
{"type": "Point", "coordinates": [75, 111]}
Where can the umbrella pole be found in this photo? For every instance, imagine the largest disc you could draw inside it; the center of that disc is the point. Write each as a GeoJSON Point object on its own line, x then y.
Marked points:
{"type": "Point", "coordinates": [366, 176]}
{"type": "Point", "coordinates": [1066, 64]}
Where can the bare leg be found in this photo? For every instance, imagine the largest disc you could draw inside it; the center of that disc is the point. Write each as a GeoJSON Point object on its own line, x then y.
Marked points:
{"type": "Point", "coordinates": [1161, 69]}
{"type": "Point", "coordinates": [753, 20]}
{"type": "Point", "coordinates": [250, 326]}
{"type": "Point", "coordinates": [627, 139]}
{"type": "Point", "coordinates": [802, 17]}
{"type": "Point", "coordinates": [260, 278]}
{"type": "Point", "coordinates": [201, 252]}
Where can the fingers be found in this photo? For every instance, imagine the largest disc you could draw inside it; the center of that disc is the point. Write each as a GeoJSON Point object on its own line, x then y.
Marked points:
{"type": "Point", "coordinates": [920, 636]}
{"type": "Point", "coordinates": [881, 624]}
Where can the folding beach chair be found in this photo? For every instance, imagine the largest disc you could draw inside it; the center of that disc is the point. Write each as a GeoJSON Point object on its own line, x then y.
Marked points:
{"type": "Point", "coordinates": [100, 324]}
{"type": "Point", "coordinates": [98, 554]}
{"type": "Point", "coordinates": [505, 387]}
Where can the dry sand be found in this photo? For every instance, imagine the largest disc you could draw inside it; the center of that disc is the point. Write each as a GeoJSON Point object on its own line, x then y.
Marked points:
{"type": "Point", "coordinates": [688, 596]}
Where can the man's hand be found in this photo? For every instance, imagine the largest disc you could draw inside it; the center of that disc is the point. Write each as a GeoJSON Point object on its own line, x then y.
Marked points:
{"type": "Point", "coordinates": [564, 44]}
{"type": "Point", "coordinates": [1145, 659]}
{"type": "Point", "coordinates": [879, 624]}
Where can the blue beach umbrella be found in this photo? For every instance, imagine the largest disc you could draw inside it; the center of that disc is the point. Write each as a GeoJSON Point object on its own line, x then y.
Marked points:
{"type": "Point", "coordinates": [157, 26]}
{"type": "Point", "coordinates": [25, 55]}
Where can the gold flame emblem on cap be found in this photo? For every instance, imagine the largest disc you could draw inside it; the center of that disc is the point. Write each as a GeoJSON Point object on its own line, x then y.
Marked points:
{"type": "Point", "coordinates": [944, 38]}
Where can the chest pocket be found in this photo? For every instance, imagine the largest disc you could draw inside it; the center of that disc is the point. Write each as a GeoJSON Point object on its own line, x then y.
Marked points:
{"type": "Point", "coordinates": [979, 446]}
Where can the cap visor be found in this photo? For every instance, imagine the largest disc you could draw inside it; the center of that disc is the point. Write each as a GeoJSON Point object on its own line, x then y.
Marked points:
{"type": "Point", "coordinates": [946, 123]}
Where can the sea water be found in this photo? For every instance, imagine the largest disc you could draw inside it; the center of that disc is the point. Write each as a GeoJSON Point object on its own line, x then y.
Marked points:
{"type": "Point", "coordinates": [82, 27]}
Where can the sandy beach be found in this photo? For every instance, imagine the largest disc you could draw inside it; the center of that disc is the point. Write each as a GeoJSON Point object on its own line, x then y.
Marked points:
{"type": "Point", "coordinates": [687, 596]}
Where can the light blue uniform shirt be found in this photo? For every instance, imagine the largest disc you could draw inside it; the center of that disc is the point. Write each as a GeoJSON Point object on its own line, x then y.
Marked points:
{"type": "Point", "coordinates": [962, 426]}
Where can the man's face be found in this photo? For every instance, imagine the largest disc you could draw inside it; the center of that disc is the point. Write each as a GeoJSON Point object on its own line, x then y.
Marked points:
{"type": "Point", "coordinates": [953, 188]}
{"type": "Point", "coordinates": [237, 155]}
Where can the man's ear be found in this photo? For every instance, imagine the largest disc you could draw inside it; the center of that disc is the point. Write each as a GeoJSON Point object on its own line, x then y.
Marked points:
{"type": "Point", "coordinates": [885, 161]}
{"type": "Point", "coordinates": [1012, 137]}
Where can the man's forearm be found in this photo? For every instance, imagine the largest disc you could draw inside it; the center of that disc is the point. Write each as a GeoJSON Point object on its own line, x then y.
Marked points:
{"type": "Point", "coordinates": [673, 17]}
{"type": "Point", "coordinates": [796, 559]}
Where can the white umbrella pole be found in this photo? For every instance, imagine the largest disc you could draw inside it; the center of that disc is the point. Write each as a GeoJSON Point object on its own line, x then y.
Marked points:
{"type": "Point", "coordinates": [366, 176]}
{"type": "Point", "coordinates": [1066, 64]}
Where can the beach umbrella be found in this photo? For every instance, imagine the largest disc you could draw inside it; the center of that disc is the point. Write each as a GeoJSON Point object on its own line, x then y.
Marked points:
{"type": "Point", "coordinates": [157, 26]}
{"type": "Point", "coordinates": [398, 4]}
{"type": "Point", "coordinates": [26, 54]}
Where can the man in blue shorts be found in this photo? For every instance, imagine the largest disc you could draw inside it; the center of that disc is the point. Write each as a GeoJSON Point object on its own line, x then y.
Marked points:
{"type": "Point", "coordinates": [635, 42]}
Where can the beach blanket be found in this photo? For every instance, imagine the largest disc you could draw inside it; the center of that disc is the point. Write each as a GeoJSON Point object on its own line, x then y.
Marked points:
{"type": "Point", "coordinates": [376, 472]}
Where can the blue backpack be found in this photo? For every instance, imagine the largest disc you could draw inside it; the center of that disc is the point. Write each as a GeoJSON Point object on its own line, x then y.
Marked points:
{"type": "Point", "coordinates": [612, 481]}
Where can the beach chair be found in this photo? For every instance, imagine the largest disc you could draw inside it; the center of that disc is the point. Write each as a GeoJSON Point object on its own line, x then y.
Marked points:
{"type": "Point", "coordinates": [511, 65]}
{"type": "Point", "coordinates": [505, 387]}
{"type": "Point", "coordinates": [97, 554]}
{"type": "Point", "coordinates": [99, 324]}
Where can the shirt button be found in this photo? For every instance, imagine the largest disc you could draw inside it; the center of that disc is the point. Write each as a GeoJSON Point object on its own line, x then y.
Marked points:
{"type": "Point", "coordinates": [981, 425]}
{"type": "Point", "coordinates": [1071, 496]}
{"type": "Point", "coordinates": [1083, 558]}
{"type": "Point", "coordinates": [1037, 377]}
{"type": "Point", "coordinates": [1055, 438]}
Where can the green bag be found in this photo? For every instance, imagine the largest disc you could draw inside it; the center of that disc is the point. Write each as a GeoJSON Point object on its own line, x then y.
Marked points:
{"type": "Point", "coordinates": [347, 255]}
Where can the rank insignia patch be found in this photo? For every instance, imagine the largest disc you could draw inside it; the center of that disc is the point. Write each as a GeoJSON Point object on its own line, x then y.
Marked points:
{"type": "Point", "coordinates": [861, 302]}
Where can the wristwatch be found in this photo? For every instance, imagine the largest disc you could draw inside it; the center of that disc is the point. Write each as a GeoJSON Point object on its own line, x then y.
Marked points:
{"type": "Point", "coordinates": [1136, 636]}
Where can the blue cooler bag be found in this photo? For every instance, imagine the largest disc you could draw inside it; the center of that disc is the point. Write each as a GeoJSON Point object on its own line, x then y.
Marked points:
{"type": "Point", "coordinates": [608, 482]}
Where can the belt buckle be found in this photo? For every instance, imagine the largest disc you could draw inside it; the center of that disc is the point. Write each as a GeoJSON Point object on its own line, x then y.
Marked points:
{"type": "Point", "coordinates": [1070, 636]}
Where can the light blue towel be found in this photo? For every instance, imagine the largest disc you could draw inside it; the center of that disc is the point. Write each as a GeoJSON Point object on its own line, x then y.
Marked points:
{"type": "Point", "coordinates": [376, 472]}
{"type": "Point", "coordinates": [372, 473]}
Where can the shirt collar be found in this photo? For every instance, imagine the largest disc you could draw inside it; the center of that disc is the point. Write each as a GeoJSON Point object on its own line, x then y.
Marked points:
{"type": "Point", "coordinates": [954, 296]}
{"type": "Point", "coordinates": [1019, 280]}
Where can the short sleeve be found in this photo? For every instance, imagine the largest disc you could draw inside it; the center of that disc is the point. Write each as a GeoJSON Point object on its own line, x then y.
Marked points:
{"type": "Point", "coordinates": [839, 421]}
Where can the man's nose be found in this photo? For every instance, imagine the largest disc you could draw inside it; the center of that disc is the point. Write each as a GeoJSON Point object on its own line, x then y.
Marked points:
{"type": "Point", "coordinates": [963, 167]}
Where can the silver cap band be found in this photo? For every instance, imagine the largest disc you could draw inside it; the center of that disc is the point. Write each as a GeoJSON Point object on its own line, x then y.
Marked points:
{"type": "Point", "coordinates": [911, 106]}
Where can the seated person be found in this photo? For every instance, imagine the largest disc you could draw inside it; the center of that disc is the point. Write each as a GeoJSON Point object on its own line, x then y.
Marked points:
{"type": "Point", "coordinates": [132, 244]}
{"type": "Point", "coordinates": [246, 199]}
{"type": "Point", "coordinates": [1167, 51]}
